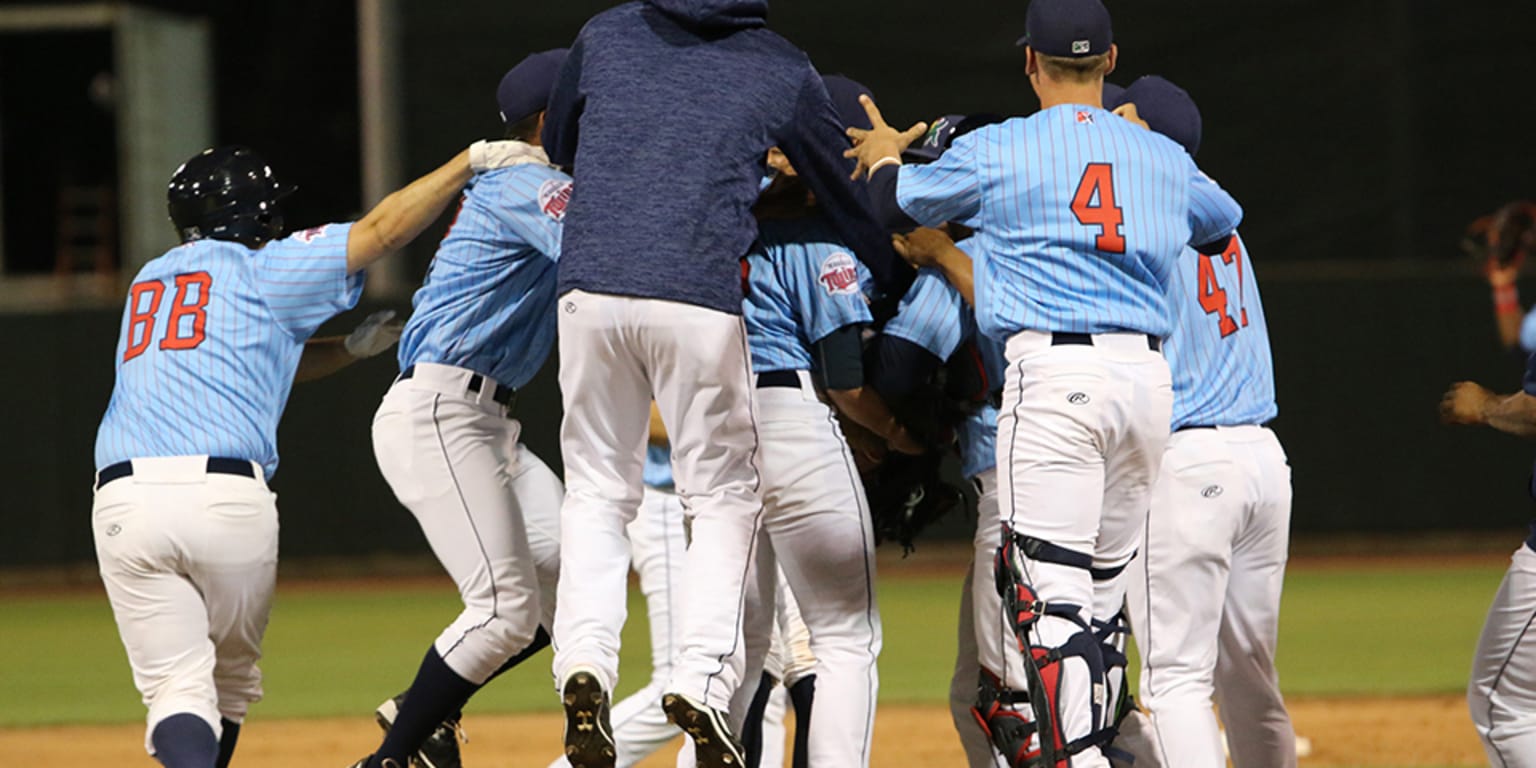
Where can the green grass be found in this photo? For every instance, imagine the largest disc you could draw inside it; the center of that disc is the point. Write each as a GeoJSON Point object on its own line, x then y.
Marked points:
{"type": "Point", "coordinates": [336, 651]}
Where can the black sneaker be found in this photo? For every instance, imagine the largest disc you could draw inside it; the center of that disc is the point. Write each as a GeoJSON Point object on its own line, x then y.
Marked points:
{"type": "Point", "coordinates": [440, 750]}
{"type": "Point", "coordinates": [713, 744]}
{"type": "Point", "coordinates": [588, 737]}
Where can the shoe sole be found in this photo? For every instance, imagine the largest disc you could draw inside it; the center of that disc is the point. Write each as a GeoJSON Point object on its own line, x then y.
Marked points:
{"type": "Point", "coordinates": [587, 742]}
{"type": "Point", "coordinates": [713, 745]}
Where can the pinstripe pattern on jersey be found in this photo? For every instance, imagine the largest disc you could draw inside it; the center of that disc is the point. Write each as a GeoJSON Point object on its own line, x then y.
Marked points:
{"type": "Point", "coordinates": [1219, 380]}
{"type": "Point", "coordinates": [225, 396]}
{"type": "Point", "coordinates": [1037, 266]}
{"type": "Point", "coordinates": [934, 316]}
{"type": "Point", "coordinates": [803, 285]}
{"type": "Point", "coordinates": [488, 302]}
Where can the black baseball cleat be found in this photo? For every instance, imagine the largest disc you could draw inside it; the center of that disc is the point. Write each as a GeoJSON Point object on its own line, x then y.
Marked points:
{"type": "Point", "coordinates": [713, 744]}
{"type": "Point", "coordinates": [588, 737]}
{"type": "Point", "coordinates": [388, 763]}
{"type": "Point", "coordinates": [440, 750]}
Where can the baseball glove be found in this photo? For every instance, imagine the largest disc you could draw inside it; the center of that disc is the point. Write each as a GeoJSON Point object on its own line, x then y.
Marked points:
{"type": "Point", "coordinates": [1503, 238]}
{"type": "Point", "coordinates": [906, 495]}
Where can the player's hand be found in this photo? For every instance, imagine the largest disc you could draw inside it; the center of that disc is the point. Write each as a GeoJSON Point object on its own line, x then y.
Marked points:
{"type": "Point", "coordinates": [1465, 403]}
{"type": "Point", "coordinates": [1128, 112]}
{"type": "Point", "coordinates": [880, 142]}
{"type": "Point", "coordinates": [922, 247]}
{"type": "Point", "coordinates": [491, 155]}
{"type": "Point", "coordinates": [1500, 275]}
{"type": "Point", "coordinates": [379, 332]}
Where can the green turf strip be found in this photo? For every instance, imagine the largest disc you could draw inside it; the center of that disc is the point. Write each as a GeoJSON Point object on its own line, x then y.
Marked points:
{"type": "Point", "coordinates": [340, 651]}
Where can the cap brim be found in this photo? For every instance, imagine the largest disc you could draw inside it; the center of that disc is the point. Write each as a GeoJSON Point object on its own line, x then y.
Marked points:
{"type": "Point", "coordinates": [1021, 42]}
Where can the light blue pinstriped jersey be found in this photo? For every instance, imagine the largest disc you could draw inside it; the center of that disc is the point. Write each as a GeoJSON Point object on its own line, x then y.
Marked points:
{"type": "Point", "coordinates": [934, 316]}
{"type": "Point", "coordinates": [1027, 186]}
{"type": "Point", "coordinates": [488, 303]}
{"type": "Point", "coordinates": [802, 286]}
{"type": "Point", "coordinates": [658, 467]}
{"type": "Point", "coordinates": [1223, 374]}
{"type": "Point", "coordinates": [252, 311]}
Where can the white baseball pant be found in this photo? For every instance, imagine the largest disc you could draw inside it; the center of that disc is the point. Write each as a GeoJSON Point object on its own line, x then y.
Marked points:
{"type": "Point", "coordinates": [1081, 433]}
{"type": "Point", "coordinates": [487, 506]}
{"type": "Point", "coordinates": [1502, 693]}
{"type": "Point", "coordinates": [657, 546]}
{"type": "Point", "coordinates": [618, 353]}
{"type": "Point", "coordinates": [980, 607]}
{"type": "Point", "coordinates": [189, 561]}
{"type": "Point", "coordinates": [818, 531]}
{"type": "Point", "coordinates": [1204, 599]}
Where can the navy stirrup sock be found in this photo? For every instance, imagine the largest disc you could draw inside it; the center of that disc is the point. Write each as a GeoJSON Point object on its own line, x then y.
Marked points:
{"type": "Point", "coordinates": [185, 741]}
{"type": "Point", "coordinates": [802, 694]}
{"type": "Point", "coordinates": [436, 693]}
{"type": "Point", "coordinates": [752, 729]}
{"type": "Point", "coordinates": [227, 741]}
{"type": "Point", "coordinates": [540, 642]}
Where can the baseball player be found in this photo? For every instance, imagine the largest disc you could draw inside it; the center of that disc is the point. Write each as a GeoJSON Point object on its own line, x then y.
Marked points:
{"type": "Point", "coordinates": [1080, 217]}
{"type": "Point", "coordinates": [1502, 691]}
{"type": "Point", "coordinates": [484, 322]}
{"type": "Point", "coordinates": [1204, 592]}
{"type": "Point", "coordinates": [650, 309]}
{"type": "Point", "coordinates": [212, 337]}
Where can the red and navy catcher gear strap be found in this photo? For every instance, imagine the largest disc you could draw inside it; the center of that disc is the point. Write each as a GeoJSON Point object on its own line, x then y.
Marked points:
{"type": "Point", "coordinates": [1043, 665]}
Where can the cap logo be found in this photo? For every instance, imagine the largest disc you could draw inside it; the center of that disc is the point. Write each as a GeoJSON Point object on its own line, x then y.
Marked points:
{"type": "Point", "coordinates": [1081, 47]}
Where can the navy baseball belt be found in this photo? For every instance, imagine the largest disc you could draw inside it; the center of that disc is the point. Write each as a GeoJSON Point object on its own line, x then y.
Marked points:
{"type": "Point", "coordinates": [503, 395]}
{"type": "Point", "coordinates": [1059, 339]}
{"type": "Point", "coordinates": [1188, 427]}
{"type": "Point", "coordinates": [788, 379]}
{"type": "Point", "coordinates": [217, 465]}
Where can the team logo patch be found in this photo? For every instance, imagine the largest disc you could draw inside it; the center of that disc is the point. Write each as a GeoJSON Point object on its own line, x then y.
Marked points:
{"type": "Point", "coordinates": [1080, 47]}
{"type": "Point", "coordinates": [1078, 398]}
{"type": "Point", "coordinates": [1211, 491]}
{"type": "Point", "coordinates": [554, 196]}
{"type": "Point", "coordinates": [1084, 117]}
{"type": "Point", "coordinates": [312, 234]}
{"type": "Point", "coordinates": [839, 275]}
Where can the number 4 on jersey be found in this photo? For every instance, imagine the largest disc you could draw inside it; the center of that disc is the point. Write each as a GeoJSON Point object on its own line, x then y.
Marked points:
{"type": "Point", "coordinates": [1213, 298]}
{"type": "Point", "coordinates": [1094, 206]}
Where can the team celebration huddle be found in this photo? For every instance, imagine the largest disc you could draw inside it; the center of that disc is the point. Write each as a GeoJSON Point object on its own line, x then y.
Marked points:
{"type": "Point", "coordinates": [777, 316]}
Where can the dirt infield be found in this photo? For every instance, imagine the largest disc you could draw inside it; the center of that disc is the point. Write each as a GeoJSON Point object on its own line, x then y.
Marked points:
{"type": "Point", "coordinates": [1344, 732]}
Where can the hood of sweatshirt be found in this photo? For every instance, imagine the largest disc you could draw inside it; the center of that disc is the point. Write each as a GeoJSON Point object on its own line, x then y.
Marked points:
{"type": "Point", "coordinates": [715, 14]}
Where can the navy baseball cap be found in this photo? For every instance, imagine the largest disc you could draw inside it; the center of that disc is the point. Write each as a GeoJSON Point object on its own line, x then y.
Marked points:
{"type": "Point", "coordinates": [942, 134]}
{"type": "Point", "coordinates": [845, 93]}
{"type": "Point", "coordinates": [524, 90]}
{"type": "Point", "coordinates": [1067, 28]}
{"type": "Point", "coordinates": [1113, 94]}
{"type": "Point", "coordinates": [1167, 108]}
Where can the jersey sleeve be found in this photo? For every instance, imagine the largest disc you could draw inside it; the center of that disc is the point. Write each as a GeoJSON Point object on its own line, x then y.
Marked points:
{"type": "Point", "coordinates": [303, 278]}
{"type": "Point", "coordinates": [948, 189]}
{"type": "Point", "coordinates": [532, 206]}
{"type": "Point", "coordinates": [932, 315]}
{"type": "Point", "coordinates": [824, 282]}
{"type": "Point", "coordinates": [1213, 214]}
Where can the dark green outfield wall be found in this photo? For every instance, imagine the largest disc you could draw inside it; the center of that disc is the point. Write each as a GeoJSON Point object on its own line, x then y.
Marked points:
{"type": "Point", "coordinates": [1361, 366]}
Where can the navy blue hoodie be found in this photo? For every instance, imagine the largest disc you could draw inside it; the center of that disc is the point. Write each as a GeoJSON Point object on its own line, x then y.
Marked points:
{"type": "Point", "coordinates": [665, 110]}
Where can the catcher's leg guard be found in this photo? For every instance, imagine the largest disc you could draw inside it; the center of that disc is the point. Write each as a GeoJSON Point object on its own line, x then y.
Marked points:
{"type": "Point", "coordinates": [1118, 703]}
{"type": "Point", "coordinates": [1006, 725]}
{"type": "Point", "coordinates": [1046, 666]}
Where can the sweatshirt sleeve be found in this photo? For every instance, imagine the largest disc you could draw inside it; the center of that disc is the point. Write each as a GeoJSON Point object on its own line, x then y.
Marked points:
{"type": "Point", "coordinates": [562, 117]}
{"type": "Point", "coordinates": [814, 142]}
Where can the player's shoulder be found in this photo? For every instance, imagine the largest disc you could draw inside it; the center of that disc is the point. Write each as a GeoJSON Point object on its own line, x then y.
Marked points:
{"type": "Point", "coordinates": [322, 236]}
{"type": "Point", "coordinates": [195, 254]}
{"type": "Point", "coordinates": [526, 189]}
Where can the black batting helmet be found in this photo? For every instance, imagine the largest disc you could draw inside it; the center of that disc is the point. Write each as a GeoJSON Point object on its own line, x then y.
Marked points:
{"type": "Point", "coordinates": [226, 193]}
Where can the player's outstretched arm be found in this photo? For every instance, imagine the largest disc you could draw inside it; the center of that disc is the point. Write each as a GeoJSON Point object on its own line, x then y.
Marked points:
{"type": "Point", "coordinates": [927, 247]}
{"type": "Point", "coordinates": [325, 356]}
{"type": "Point", "coordinates": [401, 216]}
{"type": "Point", "coordinates": [1468, 402]}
